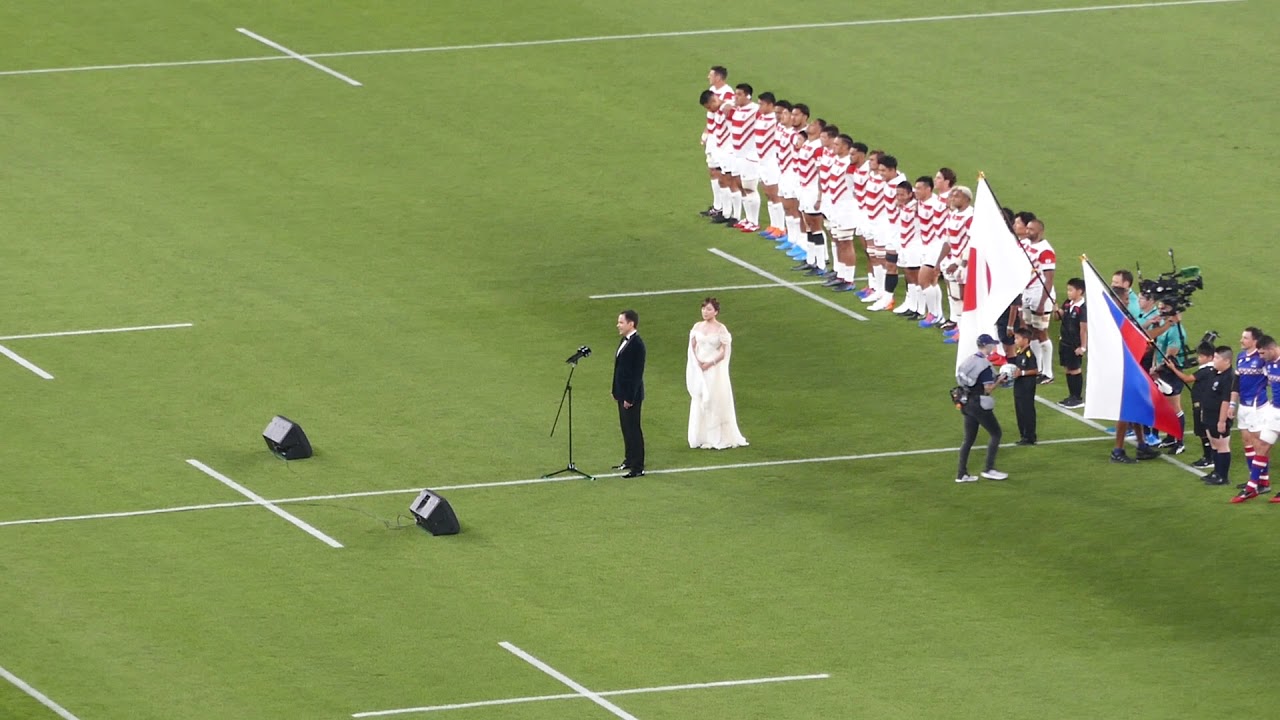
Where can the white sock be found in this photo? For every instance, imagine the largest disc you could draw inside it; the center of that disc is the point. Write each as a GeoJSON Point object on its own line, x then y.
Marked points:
{"type": "Point", "coordinates": [851, 271]}
{"type": "Point", "coordinates": [751, 205]}
{"type": "Point", "coordinates": [957, 305]}
{"type": "Point", "coordinates": [822, 249]}
{"type": "Point", "coordinates": [794, 233]}
{"type": "Point", "coordinates": [715, 195]}
{"type": "Point", "coordinates": [880, 275]}
{"type": "Point", "coordinates": [735, 204]}
{"type": "Point", "coordinates": [1045, 358]}
{"type": "Point", "coordinates": [775, 214]}
{"type": "Point", "coordinates": [909, 302]}
{"type": "Point", "coordinates": [722, 200]}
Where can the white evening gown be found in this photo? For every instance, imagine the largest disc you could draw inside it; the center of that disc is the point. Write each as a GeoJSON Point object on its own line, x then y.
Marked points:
{"type": "Point", "coordinates": [713, 423]}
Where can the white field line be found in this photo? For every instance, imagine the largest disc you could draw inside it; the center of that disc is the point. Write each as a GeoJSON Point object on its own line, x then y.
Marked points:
{"type": "Point", "coordinates": [39, 696]}
{"type": "Point", "coordinates": [683, 291]}
{"type": "Point", "coordinates": [766, 274]}
{"type": "Point", "coordinates": [296, 56]}
{"type": "Point", "coordinates": [259, 500]}
{"type": "Point", "coordinates": [568, 681]}
{"type": "Point", "coordinates": [637, 36]}
{"type": "Point", "coordinates": [67, 333]}
{"type": "Point", "coordinates": [512, 483]}
{"type": "Point", "coordinates": [24, 362]}
{"type": "Point", "coordinates": [1171, 459]}
{"type": "Point", "coordinates": [606, 693]}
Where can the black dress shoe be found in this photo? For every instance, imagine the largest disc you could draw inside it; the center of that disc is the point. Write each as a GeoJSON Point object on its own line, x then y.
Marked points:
{"type": "Point", "coordinates": [621, 466]}
{"type": "Point", "coordinates": [634, 474]}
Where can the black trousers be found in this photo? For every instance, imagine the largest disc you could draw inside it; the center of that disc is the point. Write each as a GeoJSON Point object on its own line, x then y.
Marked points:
{"type": "Point", "coordinates": [973, 419]}
{"type": "Point", "coordinates": [1024, 407]}
{"type": "Point", "coordinates": [632, 435]}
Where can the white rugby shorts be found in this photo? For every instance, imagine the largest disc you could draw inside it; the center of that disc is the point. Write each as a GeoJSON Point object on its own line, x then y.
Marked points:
{"type": "Point", "coordinates": [769, 172]}
{"type": "Point", "coordinates": [1251, 418]}
{"type": "Point", "coordinates": [808, 196]}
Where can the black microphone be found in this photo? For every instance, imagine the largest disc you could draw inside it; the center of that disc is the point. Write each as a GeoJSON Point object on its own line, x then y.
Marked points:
{"type": "Point", "coordinates": [583, 351]}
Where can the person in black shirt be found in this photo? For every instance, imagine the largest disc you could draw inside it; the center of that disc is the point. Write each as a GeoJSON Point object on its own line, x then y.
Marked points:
{"type": "Point", "coordinates": [1026, 376]}
{"type": "Point", "coordinates": [1073, 338]}
{"type": "Point", "coordinates": [1199, 382]}
{"type": "Point", "coordinates": [1215, 399]}
{"type": "Point", "coordinates": [977, 377]}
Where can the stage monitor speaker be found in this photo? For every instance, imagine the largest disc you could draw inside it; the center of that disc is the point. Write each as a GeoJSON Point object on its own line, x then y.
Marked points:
{"type": "Point", "coordinates": [434, 514]}
{"type": "Point", "coordinates": [285, 438]}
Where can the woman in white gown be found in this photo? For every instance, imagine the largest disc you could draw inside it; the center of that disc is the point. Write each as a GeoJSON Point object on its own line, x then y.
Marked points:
{"type": "Point", "coordinates": [713, 423]}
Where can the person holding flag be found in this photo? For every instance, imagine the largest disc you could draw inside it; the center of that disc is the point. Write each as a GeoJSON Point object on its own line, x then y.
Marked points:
{"type": "Point", "coordinates": [1118, 386]}
{"type": "Point", "coordinates": [979, 379]}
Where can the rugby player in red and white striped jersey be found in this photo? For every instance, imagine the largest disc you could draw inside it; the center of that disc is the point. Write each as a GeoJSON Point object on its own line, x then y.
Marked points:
{"type": "Point", "coordinates": [716, 76]}
{"type": "Point", "coordinates": [719, 152]}
{"type": "Point", "coordinates": [789, 184]}
{"type": "Point", "coordinates": [939, 203]}
{"type": "Point", "coordinates": [1038, 300]}
{"type": "Point", "coordinates": [927, 207]}
{"type": "Point", "coordinates": [840, 211]}
{"type": "Point", "coordinates": [870, 231]}
{"type": "Point", "coordinates": [807, 158]}
{"type": "Point", "coordinates": [889, 240]}
{"type": "Point", "coordinates": [768, 138]}
{"type": "Point", "coordinates": [958, 220]}
{"type": "Point", "coordinates": [909, 257]}
{"type": "Point", "coordinates": [742, 123]}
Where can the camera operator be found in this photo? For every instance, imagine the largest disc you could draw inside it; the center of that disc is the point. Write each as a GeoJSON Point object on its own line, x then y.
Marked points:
{"type": "Point", "coordinates": [1170, 347]}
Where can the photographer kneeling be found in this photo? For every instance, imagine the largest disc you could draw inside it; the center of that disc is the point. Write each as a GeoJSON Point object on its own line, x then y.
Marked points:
{"type": "Point", "coordinates": [977, 379]}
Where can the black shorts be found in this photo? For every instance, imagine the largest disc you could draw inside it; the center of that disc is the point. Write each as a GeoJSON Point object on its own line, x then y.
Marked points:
{"type": "Point", "coordinates": [1175, 383]}
{"type": "Point", "coordinates": [1068, 358]}
{"type": "Point", "coordinates": [1211, 427]}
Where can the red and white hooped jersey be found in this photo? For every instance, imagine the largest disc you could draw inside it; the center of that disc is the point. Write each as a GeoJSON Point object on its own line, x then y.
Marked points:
{"type": "Point", "coordinates": [929, 219]}
{"type": "Point", "coordinates": [889, 193]}
{"type": "Point", "coordinates": [786, 148]}
{"type": "Point", "coordinates": [873, 203]}
{"type": "Point", "coordinates": [859, 176]}
{"type": "Point", "coordinates": [909, 222]}
{"type": "Point", "coordinates": [807, 158]}
{"type": "Point", "coordinates": [768, 136]}
{"type": "Point", "coordinates": [1042, 258]}
{"type": "Point", "coordinates": [834, 189]}
{"type": "Point", "coordinates": [726, 95]}
{"type": "Point", "coordinates": [742, 130]}
{"type": "Point", "coordinates": [957, 232]}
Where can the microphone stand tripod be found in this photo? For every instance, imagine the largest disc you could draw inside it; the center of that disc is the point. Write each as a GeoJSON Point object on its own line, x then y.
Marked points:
{"type": "Point", "coordinates": [568, 394]}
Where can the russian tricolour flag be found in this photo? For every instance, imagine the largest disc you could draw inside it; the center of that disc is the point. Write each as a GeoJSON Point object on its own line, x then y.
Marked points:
{"type": "Point", "coordinates": [1117, 386]}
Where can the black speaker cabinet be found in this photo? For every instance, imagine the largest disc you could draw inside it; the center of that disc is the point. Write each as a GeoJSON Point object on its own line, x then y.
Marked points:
{"type": "Point", "coordinates": [285, 438]}
{"type": "Point", "coordinates": [434, 514]}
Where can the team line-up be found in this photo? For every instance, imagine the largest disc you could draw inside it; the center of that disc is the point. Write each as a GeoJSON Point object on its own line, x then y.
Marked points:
{"type": "Point", "coordinates": [818, 180]}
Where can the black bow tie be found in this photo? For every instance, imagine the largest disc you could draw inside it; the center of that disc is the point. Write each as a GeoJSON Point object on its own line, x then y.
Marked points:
{"type": "Point", "coordinates": [624, 339]}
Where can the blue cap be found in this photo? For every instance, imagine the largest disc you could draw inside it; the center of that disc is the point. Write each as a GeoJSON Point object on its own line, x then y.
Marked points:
{"type": "Point", "coordinates": [985, 340]}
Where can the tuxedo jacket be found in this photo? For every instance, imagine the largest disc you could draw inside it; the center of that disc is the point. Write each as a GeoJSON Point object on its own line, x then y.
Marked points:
{"type": "Point", "coordinates": [628, 371]}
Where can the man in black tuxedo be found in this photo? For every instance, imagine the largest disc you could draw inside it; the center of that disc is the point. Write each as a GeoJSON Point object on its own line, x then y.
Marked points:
{"type": "Point", "coordinates": [628, 390]}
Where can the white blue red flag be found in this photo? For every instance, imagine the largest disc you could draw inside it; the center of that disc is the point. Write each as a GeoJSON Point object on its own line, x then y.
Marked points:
{"type": "Point", "coordinates": [1117, 385]}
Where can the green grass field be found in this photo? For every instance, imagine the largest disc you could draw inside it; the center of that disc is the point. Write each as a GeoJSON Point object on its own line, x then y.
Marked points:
{"type": "Point", "coordinates": [403, 266]}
